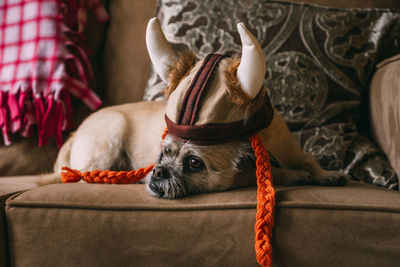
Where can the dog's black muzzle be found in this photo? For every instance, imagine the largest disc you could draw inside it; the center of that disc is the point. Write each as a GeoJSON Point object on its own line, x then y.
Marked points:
{"type": "Point", "coordinates": [166, 184]}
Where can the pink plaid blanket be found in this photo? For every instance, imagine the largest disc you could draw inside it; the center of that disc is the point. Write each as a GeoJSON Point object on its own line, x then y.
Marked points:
{"type": "Point", "coordinates": [42, 61]}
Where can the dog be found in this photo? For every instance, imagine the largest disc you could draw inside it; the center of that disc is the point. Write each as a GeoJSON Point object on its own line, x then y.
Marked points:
{"type": "Point", "coordinates": [128, 136]}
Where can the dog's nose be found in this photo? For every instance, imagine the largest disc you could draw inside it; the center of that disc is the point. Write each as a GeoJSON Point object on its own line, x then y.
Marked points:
{"type": "Point", "coordinates": [160, 172]}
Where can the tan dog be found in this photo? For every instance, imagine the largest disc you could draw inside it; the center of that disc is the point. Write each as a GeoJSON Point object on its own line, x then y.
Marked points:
{"type": "Point", "coordinates": [128, 136]}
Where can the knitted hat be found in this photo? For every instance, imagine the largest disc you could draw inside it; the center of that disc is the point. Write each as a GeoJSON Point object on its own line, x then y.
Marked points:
{"type": "Point", "coordinates": [220, 99]}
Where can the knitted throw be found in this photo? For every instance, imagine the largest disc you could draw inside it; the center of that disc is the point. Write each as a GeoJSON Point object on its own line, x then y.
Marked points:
{"type": "Point", "coordinates": [43, 61]}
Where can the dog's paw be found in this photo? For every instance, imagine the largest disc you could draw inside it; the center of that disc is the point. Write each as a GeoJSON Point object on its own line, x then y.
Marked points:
{"type": "Point", "coordinates": [289, 177]}
{"type": "Point", "coordinates": [331, 178]}
{"type": "Point", "coordinates": [301, 177]}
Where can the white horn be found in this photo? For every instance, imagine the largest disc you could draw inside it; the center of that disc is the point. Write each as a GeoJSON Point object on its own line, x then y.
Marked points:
{"type": "Point", "coordinates": [160, 51]}
{"type": "Point", "coordinates": [251, 70]}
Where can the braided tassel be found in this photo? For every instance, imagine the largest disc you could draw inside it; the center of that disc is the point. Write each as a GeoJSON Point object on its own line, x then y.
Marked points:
{"type": "Point", "coordinates": [107, 177]}
{"type": "Point", "coordinates": [265, 203]}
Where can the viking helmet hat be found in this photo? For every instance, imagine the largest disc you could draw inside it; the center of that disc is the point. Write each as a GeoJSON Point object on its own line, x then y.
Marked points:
{"type": "Point", "coordinates": [202, 108]}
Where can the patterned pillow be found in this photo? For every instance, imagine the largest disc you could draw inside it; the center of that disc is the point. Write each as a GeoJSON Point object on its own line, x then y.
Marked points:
{"type": "Point", "coordinates": [319, 63]}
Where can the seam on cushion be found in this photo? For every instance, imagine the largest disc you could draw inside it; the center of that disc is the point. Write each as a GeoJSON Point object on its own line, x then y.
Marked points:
{"type": "Point", "coordinates": [336, 206]}
{"type": "Point", "coordinates": [193, 207]}
{"type": "Point", "coordinates": [190, 207]}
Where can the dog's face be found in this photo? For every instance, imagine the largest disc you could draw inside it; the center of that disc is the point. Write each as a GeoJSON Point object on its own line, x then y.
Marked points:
{"type": "Point", "coordinates": [184, 168]}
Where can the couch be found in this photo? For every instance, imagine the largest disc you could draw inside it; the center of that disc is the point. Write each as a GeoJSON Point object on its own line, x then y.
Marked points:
{"type": "Point", "coordinates": [121, 225]}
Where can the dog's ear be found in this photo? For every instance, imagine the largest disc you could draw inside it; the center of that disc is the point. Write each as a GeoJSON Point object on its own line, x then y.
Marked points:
{"type": "Point", "coordinates": [246, 168]}
{"type": "Point", "coordinates": [246, 160]}
{"type": "Point", "coordinates": [235, 92]}
{"type": "Point", "coordinates": [179, 70]}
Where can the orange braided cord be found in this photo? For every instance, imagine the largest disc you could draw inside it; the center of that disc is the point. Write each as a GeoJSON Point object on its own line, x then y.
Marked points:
{"type": "Point", "coordinates": [164, 133]}
{"type": "Point", "coordinates": [265, 203]}
{"type": "Point", "coordinates": [104, 177]}
{"type": "Point", "coordinates": [107, 177]}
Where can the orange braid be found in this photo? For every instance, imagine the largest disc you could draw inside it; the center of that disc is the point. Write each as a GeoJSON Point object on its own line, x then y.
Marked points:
{"type": "Point", "coordinates": [108, 177]}
{"type": "Point", "coordinates": [265, 203]}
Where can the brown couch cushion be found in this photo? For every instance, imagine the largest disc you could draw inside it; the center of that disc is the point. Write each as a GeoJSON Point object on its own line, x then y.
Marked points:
{"type": "Point", "coordinates": [8, 187]}
{"type": "Point", "coordinates": [24, 157]}
{"type": "Point", "coordinates": [120, 225]}
{"type": "Point", "coordinates": [126, 65]}
{"type": "Point", "coordinates": [385, 109]}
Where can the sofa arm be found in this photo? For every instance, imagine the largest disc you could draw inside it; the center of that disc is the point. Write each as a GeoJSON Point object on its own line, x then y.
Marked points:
{"type": "Point", "coordinates": [385, 109]}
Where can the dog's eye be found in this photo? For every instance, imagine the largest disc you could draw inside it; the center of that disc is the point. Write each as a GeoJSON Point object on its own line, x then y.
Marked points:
{"type": "Point", "coordinates": [194, 164]}
{"type": "Point", "coordinates": [167, 151]}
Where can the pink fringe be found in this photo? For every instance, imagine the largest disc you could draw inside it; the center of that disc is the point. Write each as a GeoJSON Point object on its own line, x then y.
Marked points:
{"type": "Point", "coordinates": [20, 112]}
{"type": "Point", "coordinates": [52, 112]}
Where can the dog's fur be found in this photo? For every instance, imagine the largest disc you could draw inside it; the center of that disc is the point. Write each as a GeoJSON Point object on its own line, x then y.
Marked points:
{"type": "Point", "coordinates": [128, 137]}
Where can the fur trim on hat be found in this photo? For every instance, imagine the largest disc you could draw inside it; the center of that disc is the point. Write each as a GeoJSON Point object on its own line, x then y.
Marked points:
{"type": "Point", "coordinates": [179, 70]}
{"type": "Point", "coordinates": [234, 89]}
{"type": "Point", "coordinates": [228, 67]}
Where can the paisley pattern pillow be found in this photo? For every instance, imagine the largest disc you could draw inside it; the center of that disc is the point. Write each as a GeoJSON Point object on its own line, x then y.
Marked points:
{"type": "Point", "coordinates": [319, 63]}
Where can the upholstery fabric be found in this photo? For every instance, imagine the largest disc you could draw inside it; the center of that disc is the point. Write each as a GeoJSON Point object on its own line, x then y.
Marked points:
{"type": "Point", "coordinates": [385, 109]}
{"type": "Point", "coordinates": [8, 187]}
{"type": "Point", "coordinates": [24, 157]}
{"type": "Point", "coordinates": [120, 225]}
{"type": "Point", "coordinates": [353, 3]}
{"type": "Point", "coordinates": [319, 63]}
{"type": "Point", "coordinates": [126, 64]}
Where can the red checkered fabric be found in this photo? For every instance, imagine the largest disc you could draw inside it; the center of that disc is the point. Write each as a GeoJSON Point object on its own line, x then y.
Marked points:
{"type": "Point", "coordinates": [42, 61]}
